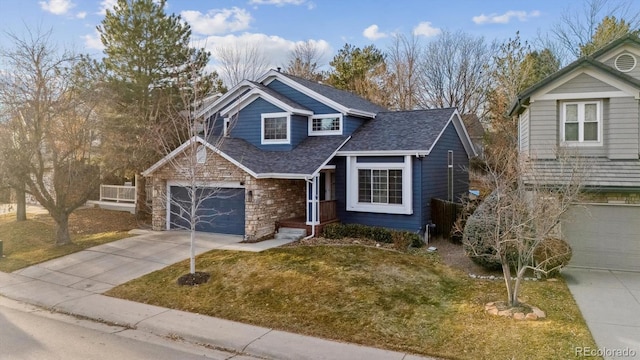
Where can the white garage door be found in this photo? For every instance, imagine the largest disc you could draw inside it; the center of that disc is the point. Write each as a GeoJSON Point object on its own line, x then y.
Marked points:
{"type": "Point", "coordinates": [604, 236]}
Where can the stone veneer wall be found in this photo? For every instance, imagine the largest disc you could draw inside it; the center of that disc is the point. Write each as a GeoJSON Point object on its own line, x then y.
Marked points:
{"type": "Point", "coordinates": [612, 197]}
{"type": "Point", "coordinates": [266, 200]}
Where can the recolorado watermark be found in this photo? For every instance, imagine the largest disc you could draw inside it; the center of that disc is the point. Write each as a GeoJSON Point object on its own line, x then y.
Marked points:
{"type": "Point", "coordinates": [587, 351]}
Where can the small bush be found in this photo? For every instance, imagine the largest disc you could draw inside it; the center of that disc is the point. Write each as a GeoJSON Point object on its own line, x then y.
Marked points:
{"type": "Point", "coordinates": [400, 239]}
{"type": "Point", "coordinates": [333, 231]}
{"type": "Point", "coordinates": [551, 255]}
{"type": "Point", "coordinates": [477, 239]}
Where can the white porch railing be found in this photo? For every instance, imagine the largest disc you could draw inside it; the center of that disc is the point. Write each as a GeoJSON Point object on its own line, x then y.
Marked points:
{"type": "Point", "coordinates": [118, 193]}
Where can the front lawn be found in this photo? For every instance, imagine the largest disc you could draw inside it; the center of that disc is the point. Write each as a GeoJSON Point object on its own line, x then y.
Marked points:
{"type": "Point", "coordinates": [401, 301]}
{"type": "Point", "coordinates": [33, 241]}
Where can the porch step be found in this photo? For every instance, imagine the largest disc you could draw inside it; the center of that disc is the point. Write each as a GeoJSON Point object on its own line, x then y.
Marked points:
{"type": "Point", "coordinates": [293, 234]}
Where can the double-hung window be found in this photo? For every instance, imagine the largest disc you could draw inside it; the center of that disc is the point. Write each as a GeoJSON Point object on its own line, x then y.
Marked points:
{"type": "Point", "coordinates": [276, 128]}
{"type": "Point", "coordinates": [582, 123]}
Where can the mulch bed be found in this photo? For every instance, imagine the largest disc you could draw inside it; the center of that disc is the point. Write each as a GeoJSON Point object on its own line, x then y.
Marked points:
{"type": "Point", "coordinates": [339, 242]}
{"type": "Point", "coordinates": [196, 278]}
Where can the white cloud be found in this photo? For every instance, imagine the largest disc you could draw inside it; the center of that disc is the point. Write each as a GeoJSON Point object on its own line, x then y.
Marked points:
{"type": "Point", "coordinates": [276, 2]}
{"type": "Point", "coordinates": [276, 48]}
{"type": "Point", "coordinates": [106, 5]}
{"type": "Point", "coordinates": [373, 33]}
{"type": "Point", "coordinates": [92, 41]}
{"type": "Point", "coordinates": [57, 7]}
{"type": "Point", "coordinates": [217, 21]}
{"type": "Point", "coordinates": [81, 15]}
{"type": "Point", "coordinates": [426, 29]}
{"type": "Point", "coordinates": [504, 18]}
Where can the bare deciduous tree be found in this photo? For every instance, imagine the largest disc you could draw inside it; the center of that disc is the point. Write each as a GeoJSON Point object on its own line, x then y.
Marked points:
{"type": "Point", "coordinates": [305, 61]}
{"type": "Point", "coordinates": [456, 73]}
{"type": "Point", "coordinates": [523, 211]}
{"type": "Point", "coordinates": [186, 125]}
{"type": "Point", "coordinates": [577, 27]}
{"type": "Point", "coordinates": [240, 61]}
{"type": "Point", "coordinates": [50, 97]}
{"type": "Point", "coordinates": [404, 57]}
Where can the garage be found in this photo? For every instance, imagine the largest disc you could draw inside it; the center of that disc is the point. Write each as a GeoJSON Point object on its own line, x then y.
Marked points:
{"type": "Point", "coordinates": [605, 236]}
{"type": "Point", "coordinates": [220, 211]}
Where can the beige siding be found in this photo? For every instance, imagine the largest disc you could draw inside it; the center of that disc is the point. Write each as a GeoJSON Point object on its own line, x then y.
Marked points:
{"type": "Point", "coordinates": [635, 72]}
{"type": "Point", "coordinates": [581, 84]}
{"type": "Point", "coordinates": [543, 129]}
{"type": "Point", "coordinates": [622, 125]}
{"type": "Point", "coordinates": [523, 132]}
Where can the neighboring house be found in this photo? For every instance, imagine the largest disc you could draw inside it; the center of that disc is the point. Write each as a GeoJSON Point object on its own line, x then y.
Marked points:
{"type": "Point", "coordinates": [591, 108]}
{"type": "Point", "coordinates": [296, 153]}
{"type": "Point", "coordinates": [476, 131]}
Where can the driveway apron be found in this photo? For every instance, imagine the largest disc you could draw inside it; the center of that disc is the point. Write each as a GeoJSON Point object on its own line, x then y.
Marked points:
{"type": "Point", "coordinates": [610, 304]}
{"type": "Point", "coordinates": [103, 267]}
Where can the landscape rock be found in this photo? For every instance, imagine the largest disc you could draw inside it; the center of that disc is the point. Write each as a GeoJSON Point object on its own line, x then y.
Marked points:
{"type": "Point", "coordinates": [519, 316]}
{"type": "Point", "coordinates": [539, 313]}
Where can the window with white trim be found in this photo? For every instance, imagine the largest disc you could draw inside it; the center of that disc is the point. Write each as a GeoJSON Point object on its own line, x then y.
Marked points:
{"type": "Point", "coordinates": [201, 154]}
{"type": "Point", "coordinates": [226, 126]}
{"type": "Point", "coordinates": [276, 128]}
{"type": "Point", "coordinates": [379, 187]}
{"type": "Point", "coordinates": [325, 124]}
{"type": "Point", "coordinates": [582, 122]}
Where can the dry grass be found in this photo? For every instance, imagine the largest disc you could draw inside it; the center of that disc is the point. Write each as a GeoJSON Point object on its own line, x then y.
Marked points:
{"type": "Point", "coordinates": [401, 301]}
{"type": "Point", "coordinates": [33, 241]}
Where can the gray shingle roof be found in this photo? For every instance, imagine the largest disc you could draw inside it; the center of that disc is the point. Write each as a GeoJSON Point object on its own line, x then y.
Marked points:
{"type": "Point", "coordinates": [346, 98]}
{"type": "Point", "coordinates": [280, 97]}
{"type": "Point", "coordinates": [597, 173]}
{"type": "Point", "coordinates": [400, 130]}
{"type": "Point", "coordinates": [304, 159]}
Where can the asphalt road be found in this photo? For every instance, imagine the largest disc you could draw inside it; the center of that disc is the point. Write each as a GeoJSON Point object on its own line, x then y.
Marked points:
{"type": "Point", "coordinates": [28, 332]}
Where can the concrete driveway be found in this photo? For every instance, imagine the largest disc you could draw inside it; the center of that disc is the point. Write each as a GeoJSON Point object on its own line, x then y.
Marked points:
{"type": "Point", "coordinates": [103, 267]}
{"type": "Point", "coordinates": [610, 304]}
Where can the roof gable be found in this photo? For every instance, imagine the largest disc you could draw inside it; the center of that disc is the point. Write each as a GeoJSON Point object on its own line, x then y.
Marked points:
{"type": "Point", "coordinates": [343, 101]}
{"type": "Point", "coordinates": [623, 82]}
{"type": "Point", "coordinates": [585, 82]}
{"type": "Point", "coordinates": [406, 132]}
{"type": "Point", "coordinates": [273, 97]}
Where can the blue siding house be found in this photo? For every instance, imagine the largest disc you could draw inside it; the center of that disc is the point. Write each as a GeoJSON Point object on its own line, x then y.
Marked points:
{"type": "Point", "coordinates": [305, 154]}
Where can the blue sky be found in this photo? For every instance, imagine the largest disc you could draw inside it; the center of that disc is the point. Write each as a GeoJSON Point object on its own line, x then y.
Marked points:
{"type": "Point", "coordinates": [278, 24]}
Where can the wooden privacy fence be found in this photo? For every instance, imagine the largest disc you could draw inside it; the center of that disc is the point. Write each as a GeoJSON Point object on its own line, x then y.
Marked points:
{"type": "Point", "coordinates": [444, 214]}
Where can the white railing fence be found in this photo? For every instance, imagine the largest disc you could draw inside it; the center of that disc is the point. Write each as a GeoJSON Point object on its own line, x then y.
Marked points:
{"type": "Point", "coordinates": [118, 193]}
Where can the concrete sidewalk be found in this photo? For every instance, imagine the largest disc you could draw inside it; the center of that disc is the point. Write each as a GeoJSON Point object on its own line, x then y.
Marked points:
{"type": "Point", "coordinates": [610, 304]}
{"type": "Point", "coordinates": [73, 284]}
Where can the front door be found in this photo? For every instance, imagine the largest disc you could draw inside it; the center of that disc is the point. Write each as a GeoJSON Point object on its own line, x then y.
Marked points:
{"type": "Point", "coordinates": [327, 185]}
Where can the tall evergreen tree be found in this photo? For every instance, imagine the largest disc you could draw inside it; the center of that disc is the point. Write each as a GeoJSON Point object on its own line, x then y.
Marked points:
{"type": "Point", "coordinates": [361, 71]}
{"type": "Point", "coordinates": [608, 30]}
{"type": "Point", "coordinates": [147, 53]}
{"type": "Point", "coordinates": [516, 67]}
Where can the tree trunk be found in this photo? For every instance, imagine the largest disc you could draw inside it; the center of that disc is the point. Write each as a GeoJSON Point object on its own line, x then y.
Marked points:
{"type": "Point", "coordinates": [506, 272]}
{"type": "Point", "coordinates": [141, 197]}
{"type": "Point", "coordinates": [21, 200]}
{"type": "Point", "coordinates": [62, 232]}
